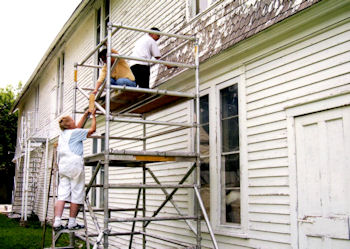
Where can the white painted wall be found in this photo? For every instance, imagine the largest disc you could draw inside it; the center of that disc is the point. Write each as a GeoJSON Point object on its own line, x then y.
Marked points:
{"type": "Point", "coordinates": [297, 65]}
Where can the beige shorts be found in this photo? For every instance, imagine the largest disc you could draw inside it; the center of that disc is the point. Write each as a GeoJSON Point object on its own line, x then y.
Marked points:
{"type": "Point", "coordinates": [72, 190]}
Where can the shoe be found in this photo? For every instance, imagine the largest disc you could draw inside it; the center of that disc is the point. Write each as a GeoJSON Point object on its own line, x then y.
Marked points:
{"type": "Point", "coordinates": [59, 228]}
{"type": "Point", "coordinates": [76, 227]}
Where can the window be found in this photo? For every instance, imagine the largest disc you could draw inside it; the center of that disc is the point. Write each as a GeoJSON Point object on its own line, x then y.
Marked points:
{"type": "Point", "coordinates": [97, 199]}
{"type": "Point", "coordinates": [106, 8]}
{"type": "Point", "coordinates": [102, 19]}
{"type": "Point", "coordinates": [230, 166]}
{"type": "Point", "coordinates": [204, 150]}
{"type": "Point", "coordinates": [198, 6]}
{"type": "Point", "coordinates": [93, 189]}
{"type": "Point", "coordinates": [102, 180]}
{"type": "Point", "coordinates": [60, 85]}
{"type": "Point", "coordinates": [98, 26]}
{"type": "Point", "coordinates": [36, 113]}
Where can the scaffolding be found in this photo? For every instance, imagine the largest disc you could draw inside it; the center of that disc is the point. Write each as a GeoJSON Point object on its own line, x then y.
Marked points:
{"type": "Point", "coordinates": [29, 153]}
{"type": "Point", "coordinates": [130, 105]}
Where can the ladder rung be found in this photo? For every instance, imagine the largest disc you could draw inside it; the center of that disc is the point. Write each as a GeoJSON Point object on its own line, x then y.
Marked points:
{"type": "Point", "coordinates": [63, 247]}
{"type": "Point", "coordinates": [115, 234]}
{"type": "Point", "coordinates": [153, 186]}
{"type": "Point", "coordinates": [153, 218]}
{"type": "Point", "coordinates": [115, 209]}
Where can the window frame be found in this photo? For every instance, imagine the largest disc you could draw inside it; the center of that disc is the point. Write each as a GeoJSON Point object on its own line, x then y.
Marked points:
{"type": "Point", "coordinates": [36, 113]}
{"type": "Point", "coordinates": [192, 8]}
{"type": "Point", "coordinates": [230, 229]}
{"type": "Point", "coordinates": [60, 84]}
{"type": "Point", "coordinates": [96, 194]}
{"type": "Point", "coordinates": [101, 24]}
{"type": "Point", "coordinates": [203, 94]}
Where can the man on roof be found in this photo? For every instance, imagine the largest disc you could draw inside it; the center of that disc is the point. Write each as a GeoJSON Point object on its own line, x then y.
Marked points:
{"type": "Point", "coordinates": [145, 48]}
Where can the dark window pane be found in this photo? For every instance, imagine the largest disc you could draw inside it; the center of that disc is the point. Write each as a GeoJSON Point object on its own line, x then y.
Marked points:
{"type": "Point", "coordinates": [98, 33]}
{"type": "Point", "coordinates": [232, 188]}
{"type": "Point", "coordinates": [204, 150]}
{"type": "Point", "coordinates": [205, 172]}
{"type": "Point", "coordinates": [106, 16]}
{"type": "Point", "coordinates": [106, 26]}
{"type": "Point", "coordinates": [102, 144]}
{"type": "Point", "coordinates": [229, 101]}
{"type": "Point", "coordinates": [204, 146]}
{"type": "Point", "coordinates": [102, 175]}
{"type": "Point", "coordinates": [93, 189]}
{"type": "Point", "coordinates": [98, 17]}
{"type": "Point", "coordinates": [205, 185]}
{"type": "Point", "coordinates": [107, 8]}
{"type": "Point", "coordinates": [94, 145]}
{"type": "Point", "coordinates": [204, 109]}
{"type": "Point", "coordinates": [233, 206]}
{"type": "Point", "coordinates": [230, 135]}
{"type": "Point", "coordinates": [232, 176]}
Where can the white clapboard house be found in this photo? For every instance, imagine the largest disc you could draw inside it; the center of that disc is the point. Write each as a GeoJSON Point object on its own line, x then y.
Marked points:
{"type": "Point", "coordinates": [274, 80]}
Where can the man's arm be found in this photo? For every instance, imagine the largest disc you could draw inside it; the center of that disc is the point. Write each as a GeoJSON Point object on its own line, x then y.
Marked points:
{"type": "Point", "coordinates": [101, 78]}
{"type": "Point", "coordinates": [82, 120]}
{"type": "Point", "coordinates": [93, 124]}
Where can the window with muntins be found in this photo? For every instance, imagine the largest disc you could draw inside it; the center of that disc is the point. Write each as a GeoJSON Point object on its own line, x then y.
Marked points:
{"type": "Point", "coordinates": [204, 150]}
{"type": "Point", "coordinates": [102, 19]}
{"type": "Point", "coordinates": [93, 189]}
{"type": "Point", "coordinates": [97, 198]}
{"type": "Point", "coordinates": [198, 6]}
{"type": "Point", "coordinates": [60, 85]}
{"type": "Point", "coordinates": [230, 165]}
{"type": "Point", "coordinates": [106, 16]}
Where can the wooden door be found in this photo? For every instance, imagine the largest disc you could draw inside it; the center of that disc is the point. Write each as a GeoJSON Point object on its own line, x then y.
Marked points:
{"type": "Point", "coordinates": [323, 179]}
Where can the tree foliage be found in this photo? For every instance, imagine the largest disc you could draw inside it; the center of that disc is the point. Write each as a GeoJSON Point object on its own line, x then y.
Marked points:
{"type": "Point", "coordinates": [8, 127]}
{"type": "Point", "coordinates": [8, 134]}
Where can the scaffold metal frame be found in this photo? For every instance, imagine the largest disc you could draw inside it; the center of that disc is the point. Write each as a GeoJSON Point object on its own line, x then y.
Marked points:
{"type": "Point", "coordinates": [28, 143]}
{"type": "Point", "coordinates": [108, 157]}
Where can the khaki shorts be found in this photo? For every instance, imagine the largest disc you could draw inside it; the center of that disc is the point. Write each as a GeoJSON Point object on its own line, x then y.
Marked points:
{"type": "Point", "coordinates": [72, 190]}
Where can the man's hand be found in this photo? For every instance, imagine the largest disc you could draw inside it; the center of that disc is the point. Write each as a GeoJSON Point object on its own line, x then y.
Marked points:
{"type": "Point", "coordinates": [93, 113]}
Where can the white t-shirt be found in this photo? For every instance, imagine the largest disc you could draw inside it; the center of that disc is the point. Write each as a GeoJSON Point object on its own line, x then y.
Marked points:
{"type": "Point", "coordinates": [145, 48]}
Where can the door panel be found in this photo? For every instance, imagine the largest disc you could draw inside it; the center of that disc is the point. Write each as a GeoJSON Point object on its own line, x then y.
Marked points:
{"type": "Point", "coordinates": [323, 179]}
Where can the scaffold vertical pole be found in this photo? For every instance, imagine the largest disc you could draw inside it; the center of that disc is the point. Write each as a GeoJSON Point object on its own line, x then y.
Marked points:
{"type": "Point", "coordinates": [144, 189]}
{"type": "Point", "coordinates": [198, 179]}
{"type": "Point", "coordinates": [107, 131]}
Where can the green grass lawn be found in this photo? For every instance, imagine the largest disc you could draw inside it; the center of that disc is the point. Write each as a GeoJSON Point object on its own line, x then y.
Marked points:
{"type": "Point", "coordinates": [14, 236]}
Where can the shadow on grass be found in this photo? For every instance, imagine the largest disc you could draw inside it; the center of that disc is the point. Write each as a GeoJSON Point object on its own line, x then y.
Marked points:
{"type": "Point", "coordinates": [14, 236]}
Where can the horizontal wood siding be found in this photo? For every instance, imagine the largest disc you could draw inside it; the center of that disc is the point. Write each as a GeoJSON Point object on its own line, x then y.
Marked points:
{"type": "Point", "coordinates": [314, 68]}
{"type": "Point", "coordinates": [311, 65]}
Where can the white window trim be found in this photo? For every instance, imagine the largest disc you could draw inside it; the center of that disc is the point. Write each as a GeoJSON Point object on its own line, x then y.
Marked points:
{"type": "Point", "coordinates": [191, 11]}
{"type": "Point", "coordinates": [99, 191]}
{"type": "Point", "coordinates": [60, 83]}
{"type": "Point", "coordinates": [36, 110]}
{"type": "Point", "coordinates": [237, 230]}
{"type": "Point", "coordinates": [100, 5]}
